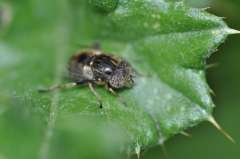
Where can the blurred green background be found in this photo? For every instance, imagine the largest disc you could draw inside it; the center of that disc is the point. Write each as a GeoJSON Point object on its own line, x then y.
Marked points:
{"type": "Point", "coordinates": [206, 142]}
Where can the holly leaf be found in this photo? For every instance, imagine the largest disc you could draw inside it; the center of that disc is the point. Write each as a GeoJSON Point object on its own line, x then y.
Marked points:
{"type": "Point", "coordinates": [166, 42]}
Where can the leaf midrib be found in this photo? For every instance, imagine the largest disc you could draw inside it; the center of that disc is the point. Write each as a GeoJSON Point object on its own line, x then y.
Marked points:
{"type": "Point", "coordinates": [63, 33]}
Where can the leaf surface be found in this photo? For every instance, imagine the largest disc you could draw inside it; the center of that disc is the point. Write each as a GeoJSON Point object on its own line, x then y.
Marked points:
{"type": "Point", "coordinates": [166, 42]}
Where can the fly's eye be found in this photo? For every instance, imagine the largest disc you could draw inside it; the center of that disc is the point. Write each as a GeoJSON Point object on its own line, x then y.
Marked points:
{"type": "Point", "coordinates": [108, 71]}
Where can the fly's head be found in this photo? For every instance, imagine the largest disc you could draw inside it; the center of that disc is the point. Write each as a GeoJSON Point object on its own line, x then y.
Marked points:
{"type": "Point", "coordinates": [122, 76]}
{"type": "Point", "coordinates": [115, 72]}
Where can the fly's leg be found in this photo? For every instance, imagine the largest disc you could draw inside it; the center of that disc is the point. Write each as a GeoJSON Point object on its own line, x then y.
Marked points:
{"type": "Point", "coordinates": [90, 85]}
{"type": "Point", "coordinates": [56, 87]}
{"type": "Point", "coordinates": [117, 95]}
{"type": "Point", "coordinates": [96, 46]}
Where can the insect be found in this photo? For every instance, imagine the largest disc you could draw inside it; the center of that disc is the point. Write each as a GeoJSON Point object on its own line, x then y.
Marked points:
{"type": "Point", "coordinates": [94, 67]}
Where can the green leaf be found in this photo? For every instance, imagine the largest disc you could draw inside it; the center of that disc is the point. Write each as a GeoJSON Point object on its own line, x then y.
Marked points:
{"type": "Point", "coordinates": [166, 42]}
{"type": "Point", "coordinates": [195, 3]}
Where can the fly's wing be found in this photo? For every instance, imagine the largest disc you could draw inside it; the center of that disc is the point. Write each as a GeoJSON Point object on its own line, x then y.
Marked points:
{"type": "Point", "coordinates": [77, 67]}
{"type": "Point", "coordinates": [75, 72]}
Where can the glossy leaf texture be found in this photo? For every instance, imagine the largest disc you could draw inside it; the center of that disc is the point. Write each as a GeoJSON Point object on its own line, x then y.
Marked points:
{"type": "Point", "coordinates": [166, 42]}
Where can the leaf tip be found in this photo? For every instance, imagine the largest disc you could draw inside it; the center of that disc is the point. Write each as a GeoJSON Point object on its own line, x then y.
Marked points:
{"type": "Point", "coordinates": [212, 65]}
{"type": "Point", "coordinates": [232, 31]}
{"type": "Point", "coordinates": [138, 150]}
{"type": "Point", "coordinates": [185, 134]}
{"type": "Point", "coordinates": [164, 150]}
{"type": "Point", "coordinates": [212, 92]}
{"type": "Point", "coordinates": [216, 125]}
{"type": "Point", "coordinates": [205, 8]}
